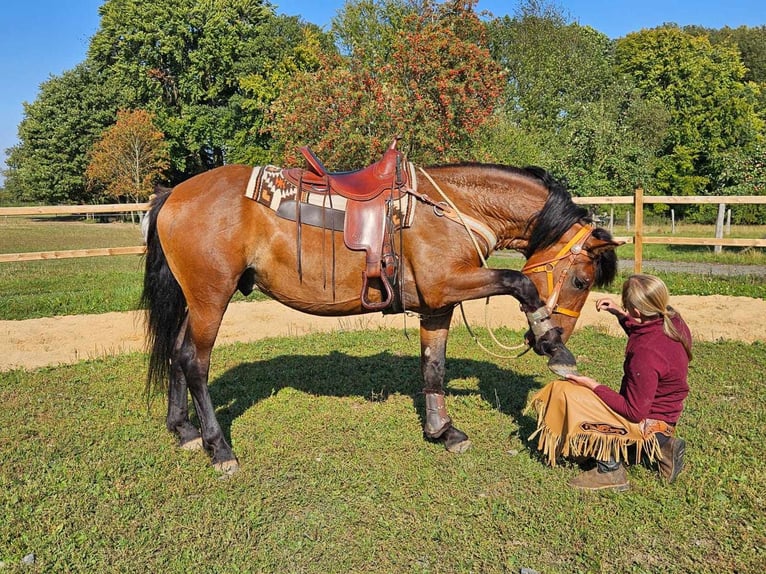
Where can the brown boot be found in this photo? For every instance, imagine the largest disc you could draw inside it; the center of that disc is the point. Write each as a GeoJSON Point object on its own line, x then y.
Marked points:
{"type": "Point", "coordinates": [672, 461]}
{"type": "Point", "coordinates": [616, 480]}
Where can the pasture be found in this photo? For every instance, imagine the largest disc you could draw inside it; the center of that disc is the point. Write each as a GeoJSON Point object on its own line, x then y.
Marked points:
{"type": "Point", "coordinates": [336, 476]}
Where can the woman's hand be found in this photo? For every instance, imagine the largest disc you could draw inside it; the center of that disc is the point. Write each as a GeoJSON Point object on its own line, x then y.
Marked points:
{"type": "Point", "coordinates": [607, 304]}
{"type": "Point", "coordinates": [583, 381]}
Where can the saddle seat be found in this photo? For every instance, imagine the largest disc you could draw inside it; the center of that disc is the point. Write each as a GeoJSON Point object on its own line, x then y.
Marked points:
{"type": "Point", "coordinates": [360, 185]}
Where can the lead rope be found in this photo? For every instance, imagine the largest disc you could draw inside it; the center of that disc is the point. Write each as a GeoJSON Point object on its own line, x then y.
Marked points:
{"type": "Point", "coordinates": [484, 264]}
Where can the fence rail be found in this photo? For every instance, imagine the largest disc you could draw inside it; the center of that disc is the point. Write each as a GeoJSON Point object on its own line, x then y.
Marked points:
{"type": "Point", "coordinates": [73, 209]}
{"type": "Point", "coordinates": [638, 239]}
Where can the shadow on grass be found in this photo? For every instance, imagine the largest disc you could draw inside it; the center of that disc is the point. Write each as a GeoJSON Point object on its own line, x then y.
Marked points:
{"type": "Point", "coordinates": [372, 377]}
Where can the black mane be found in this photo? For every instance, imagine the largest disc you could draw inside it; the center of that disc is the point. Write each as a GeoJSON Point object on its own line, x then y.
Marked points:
{"type": "Point", "coordinates": [559, 214]}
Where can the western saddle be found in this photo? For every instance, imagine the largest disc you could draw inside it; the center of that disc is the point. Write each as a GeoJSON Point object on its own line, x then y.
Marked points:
{"type": "Point", "coordinates": [370, 194]}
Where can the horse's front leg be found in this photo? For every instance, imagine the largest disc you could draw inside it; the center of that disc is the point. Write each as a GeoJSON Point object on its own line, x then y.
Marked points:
{"type": "Point", "coordinates": [543, 336]}
{"type": "Point", "coordinates": [434, 330]}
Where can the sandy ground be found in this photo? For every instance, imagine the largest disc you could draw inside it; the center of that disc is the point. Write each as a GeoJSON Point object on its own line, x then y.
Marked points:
{"type": "Point", "coordinates": [59, 340]}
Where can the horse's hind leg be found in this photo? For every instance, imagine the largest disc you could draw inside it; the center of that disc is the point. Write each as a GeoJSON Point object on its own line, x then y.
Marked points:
{"type": "Point", "coordinates": [434, 331]}
{"type": "Point", "coordinates": [177, 421]}
{"type": "Point", "coordinates": [192, 363]}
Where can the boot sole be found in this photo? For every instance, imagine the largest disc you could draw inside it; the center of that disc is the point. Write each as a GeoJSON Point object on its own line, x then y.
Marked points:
{"type": "Point", "coordinates": [614, 487]}
{"type": "Point", "coordinates": [678, 459]}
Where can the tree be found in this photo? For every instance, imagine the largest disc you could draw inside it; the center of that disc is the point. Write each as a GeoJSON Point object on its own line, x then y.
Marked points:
{"type": "Point", "coordinates": [553, 66]}
{"type": "Point", "coordinates": [565, 107]}
{"type": "Point", "coordinates": [287, 48]}
{"type": "Point", "coordinates": [59, 127]}
{"type": "Point", "coordinates": [130, 157]}
{"type": "Point", "coordinates": [436, 89]}
{"type": "Point", "coordinates": [185, 61]}
{"type": "Point", "coordinates": [743, 172]}
{"type": "Point", "coordinates": [751, 43]}
{"type": "Point", "coordinates": [712, 109]}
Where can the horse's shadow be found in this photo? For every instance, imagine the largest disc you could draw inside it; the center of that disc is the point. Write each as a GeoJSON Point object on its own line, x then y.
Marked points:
{"type": "Point", "coordinates": [372, 377]}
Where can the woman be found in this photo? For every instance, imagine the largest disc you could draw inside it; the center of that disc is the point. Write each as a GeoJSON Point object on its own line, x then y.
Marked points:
{"type": "Point", "coordinates": [581, 417]}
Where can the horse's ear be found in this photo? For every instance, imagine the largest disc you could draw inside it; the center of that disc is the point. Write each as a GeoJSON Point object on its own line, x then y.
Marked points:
{"type": "Point", "coordinates": [597, 246]}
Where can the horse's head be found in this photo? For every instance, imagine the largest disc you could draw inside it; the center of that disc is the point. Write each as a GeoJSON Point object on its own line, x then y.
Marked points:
{"type": "Point", "coordinates": [566, 271]}
{"type": "Point", "coordinates": [566, 255]}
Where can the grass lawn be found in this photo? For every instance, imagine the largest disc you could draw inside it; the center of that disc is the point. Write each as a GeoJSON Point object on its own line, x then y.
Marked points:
{"type": "Point", "coordinates": [336, 477]}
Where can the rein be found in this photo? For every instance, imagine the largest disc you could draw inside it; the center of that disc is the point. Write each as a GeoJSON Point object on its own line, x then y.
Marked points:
{"type": "Point", "coordinates": [567, 256]}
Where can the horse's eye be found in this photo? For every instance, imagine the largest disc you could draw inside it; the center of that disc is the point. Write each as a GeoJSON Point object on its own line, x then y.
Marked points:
{"type": "Point", "coordinates": [580, 284]}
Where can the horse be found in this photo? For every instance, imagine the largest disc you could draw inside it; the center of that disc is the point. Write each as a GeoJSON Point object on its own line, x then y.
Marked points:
{"type": "Point", "coordinates": [206, 240]}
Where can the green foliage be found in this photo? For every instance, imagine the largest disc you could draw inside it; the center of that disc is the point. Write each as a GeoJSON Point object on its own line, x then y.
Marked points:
{"type": "Point", "coordinates": [366, 30]}
{"type": "Point", "coordinates": [712, 109]}
{"type": "Point", "coordinates": [743, 172]}
{"type": "Point", "coordinates": [565, 103]}
{"type": "Point", "coordinates": [438, 85]}
{"type": "Point", "coordinates": [751, 43]}
{"type": "Point", "coordinates": [182, 60]}
{"type": "Point", "coordinates": [58, 129]}
{"type": "Point", "coordinates": [336, 477]}
{"type": "Point", "coordinates": [287, 49]}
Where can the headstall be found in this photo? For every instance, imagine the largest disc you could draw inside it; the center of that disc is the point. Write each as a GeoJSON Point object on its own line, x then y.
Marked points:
{"type": "Point", "coordinates": [566, 256]}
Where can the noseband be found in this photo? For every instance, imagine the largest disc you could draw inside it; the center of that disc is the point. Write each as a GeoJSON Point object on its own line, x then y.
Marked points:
{"type": "Point", "coordinates": [566, 256]}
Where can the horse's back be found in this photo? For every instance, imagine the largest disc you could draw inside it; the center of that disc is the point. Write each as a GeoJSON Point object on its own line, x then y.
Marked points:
{"type": "Point", "coordinates": [224, 181]}
{"type": "Point", "coordinates": [203, 225]}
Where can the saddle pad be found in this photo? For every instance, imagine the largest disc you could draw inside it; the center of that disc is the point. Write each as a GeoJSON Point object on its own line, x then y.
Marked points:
{"type": "Point", "coordinates": [269, 187]}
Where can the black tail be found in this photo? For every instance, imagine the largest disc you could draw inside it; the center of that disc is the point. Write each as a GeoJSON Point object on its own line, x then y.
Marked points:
{"type": "Point", "coordinates": [164, 303]}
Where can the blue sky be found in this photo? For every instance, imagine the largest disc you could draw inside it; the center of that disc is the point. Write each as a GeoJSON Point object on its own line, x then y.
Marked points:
{"type": "Point", "coordinates": [40, 38]}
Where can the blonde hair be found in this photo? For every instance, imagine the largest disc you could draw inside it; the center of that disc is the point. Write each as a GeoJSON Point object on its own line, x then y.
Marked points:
{"type": "Point", "coordinates": [649, 296]}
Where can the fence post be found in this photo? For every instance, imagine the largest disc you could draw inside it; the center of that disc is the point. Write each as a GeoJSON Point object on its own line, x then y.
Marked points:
{"type": "Point", "coordinates": [719, 227]}
{"type": "Point", "coordinates": [638, 234]}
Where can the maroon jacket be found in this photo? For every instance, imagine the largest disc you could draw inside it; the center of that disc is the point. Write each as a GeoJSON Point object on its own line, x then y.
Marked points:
{"type": "Point", "coordinates": [654, 373]}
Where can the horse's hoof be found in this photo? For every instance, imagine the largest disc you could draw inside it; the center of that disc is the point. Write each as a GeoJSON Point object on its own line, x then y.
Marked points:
{"type": "Point", "coordinates": [456, 441]}
{"type": "Point", "coordinates": [563, 370]}
{"type": "Point", "coordinates": [194, 444]}
{"type": "Point", "coordinates": [227, 468]}
{"type": "Point", "coordinates": [563, 363]}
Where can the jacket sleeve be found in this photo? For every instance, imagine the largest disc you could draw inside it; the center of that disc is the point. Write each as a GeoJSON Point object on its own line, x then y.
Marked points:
{"type": "Point", "coordinates": [639, 387]}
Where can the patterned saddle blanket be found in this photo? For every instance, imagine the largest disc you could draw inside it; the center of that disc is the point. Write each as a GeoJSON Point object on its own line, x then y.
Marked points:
{"type": "Point", "coordinates": [320, 206]}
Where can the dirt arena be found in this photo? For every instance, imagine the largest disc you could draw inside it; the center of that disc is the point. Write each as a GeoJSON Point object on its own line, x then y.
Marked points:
{"type": "Point", "coordinates": [51, 341]}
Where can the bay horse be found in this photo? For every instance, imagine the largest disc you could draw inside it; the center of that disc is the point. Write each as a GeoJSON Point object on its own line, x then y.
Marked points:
{"type": "Point", "coordinates": [206, 240]}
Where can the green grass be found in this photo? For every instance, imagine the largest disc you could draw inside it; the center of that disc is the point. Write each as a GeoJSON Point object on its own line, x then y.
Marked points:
{"type": "Point", "coordinates": [22, 235]}
{"type": "Point", "coordinates": [100, 284]}
{"type": "Point", "coordinates": [336, 477]}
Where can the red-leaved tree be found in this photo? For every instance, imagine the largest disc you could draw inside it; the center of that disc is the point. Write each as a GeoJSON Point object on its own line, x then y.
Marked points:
{"type": "Point", "coordinates": [437, 87]}
{"type": "Point", "coordinates": [130, 158]}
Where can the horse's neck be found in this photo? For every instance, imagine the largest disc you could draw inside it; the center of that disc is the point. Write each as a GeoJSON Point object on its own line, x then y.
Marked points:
{"type": "Point", "coordinates": [506, 201]}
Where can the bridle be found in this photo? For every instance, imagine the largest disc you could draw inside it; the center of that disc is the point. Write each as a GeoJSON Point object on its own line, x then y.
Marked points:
{"type": "Point", "coordinates": [566, 256]}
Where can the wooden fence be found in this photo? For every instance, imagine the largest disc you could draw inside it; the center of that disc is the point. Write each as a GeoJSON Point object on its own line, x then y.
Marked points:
{"type": "Point", "coordinates": [114, 208]}
{"type": "Point", "coordinates": [638, 239]}
{"type": "Point", "coordinates": [639, 200]}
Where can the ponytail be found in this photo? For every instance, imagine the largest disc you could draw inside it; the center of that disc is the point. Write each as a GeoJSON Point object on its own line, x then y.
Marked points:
{"type": "Point", "coordinates": [671, 331]}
